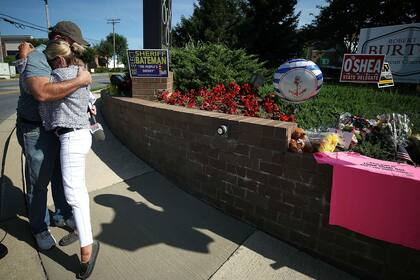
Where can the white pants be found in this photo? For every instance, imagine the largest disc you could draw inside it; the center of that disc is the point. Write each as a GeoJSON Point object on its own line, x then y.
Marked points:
{"type": "Point", "coordinates": [74, 147]}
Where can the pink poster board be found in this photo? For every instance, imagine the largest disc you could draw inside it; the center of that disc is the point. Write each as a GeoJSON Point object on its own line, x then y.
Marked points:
{"type": "Point", "coordinates": [376, 198]}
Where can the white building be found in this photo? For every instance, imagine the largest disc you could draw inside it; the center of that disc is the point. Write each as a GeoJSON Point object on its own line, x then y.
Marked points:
{"type": "Point", "coordinates": [10, 43]}
{"type": "Point", "coordinates": [110, 64]}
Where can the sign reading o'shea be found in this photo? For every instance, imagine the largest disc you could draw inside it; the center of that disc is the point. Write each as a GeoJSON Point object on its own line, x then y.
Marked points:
{"type": "Point", "coordinates": [361, 68]}
{"type": "Point", "coordinates": [148, 63]}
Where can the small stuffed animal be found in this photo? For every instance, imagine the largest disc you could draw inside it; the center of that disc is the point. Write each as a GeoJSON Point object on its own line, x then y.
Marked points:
{"type": "Point", "coordinates": [298, 142]}
{"type": "Point", "coordinates": [298, 133]}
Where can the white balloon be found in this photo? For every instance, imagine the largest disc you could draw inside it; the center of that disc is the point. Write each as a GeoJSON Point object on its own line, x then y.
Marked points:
{"type": "Point", "coordinates": [297, 80]}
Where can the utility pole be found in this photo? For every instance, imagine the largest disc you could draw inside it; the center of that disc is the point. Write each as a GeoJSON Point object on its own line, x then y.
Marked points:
{"type": "Point", "coordinates": [1, 50]}
{"type": "Point", "coordinates": [46, 14]}
{"type": "Point", "coordinates": [113, 21]}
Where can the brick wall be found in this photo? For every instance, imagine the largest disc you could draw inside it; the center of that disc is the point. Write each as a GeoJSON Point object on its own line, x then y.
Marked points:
{"type": "Point", "coordinates": [147, 88]}
{"type": "Point", "coordinates": [251, 176]}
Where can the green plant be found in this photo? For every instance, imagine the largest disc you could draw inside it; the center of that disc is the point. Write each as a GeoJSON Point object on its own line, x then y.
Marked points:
{"type": "Point", "coordinates": [113, 90]}
{"type": "Point", "coordinates": [102, 70]}
{"type": "Point", "coordinates": [203, 65]}
{"type": "Point", "coordinates": [375, 150]}
{"type": "Point", "coordinates": [369, 102]}
{"type": "Point", "coordinates": [266, 89]}
{"type": "Point", "coordinates": [9, 59]}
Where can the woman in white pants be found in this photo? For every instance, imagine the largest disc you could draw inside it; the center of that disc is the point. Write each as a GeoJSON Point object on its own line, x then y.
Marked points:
{"type": "Point", "coordinates": [69, 118]}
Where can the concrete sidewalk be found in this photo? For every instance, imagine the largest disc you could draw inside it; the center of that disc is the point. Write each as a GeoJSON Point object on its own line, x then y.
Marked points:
{"type": "Point", "coordinates": [148, 229]}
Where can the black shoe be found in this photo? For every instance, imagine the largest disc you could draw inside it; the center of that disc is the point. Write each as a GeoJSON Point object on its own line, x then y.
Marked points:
{"type": "Point", "coordinates": [69, 239]}
{"type": "Point", "coordinates": [3, 251]}
{"type": "Point", "coordinates": [87, 268]}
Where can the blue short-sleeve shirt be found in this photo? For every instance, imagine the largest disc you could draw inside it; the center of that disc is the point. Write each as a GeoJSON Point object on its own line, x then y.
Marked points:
{"type": "Point", "coordinates": [36, 66]}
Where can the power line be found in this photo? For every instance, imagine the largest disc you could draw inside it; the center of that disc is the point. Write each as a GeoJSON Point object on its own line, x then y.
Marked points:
{"type": "Point", "coordinates": [24, 21]}
{"type": "Point", "coordinates": [113, 21]}
{"type": "Point", "coordinates": [21, 24]}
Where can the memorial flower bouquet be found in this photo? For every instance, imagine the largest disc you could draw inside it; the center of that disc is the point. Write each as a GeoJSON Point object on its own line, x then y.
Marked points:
{"type": "Point", "coordinates": [396, 129]}
{"type": "Point", "coordinates": [384, 138]}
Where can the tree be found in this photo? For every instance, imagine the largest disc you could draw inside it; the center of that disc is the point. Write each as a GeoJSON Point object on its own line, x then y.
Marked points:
{"type": "Point", "coordinates": [38, 41]}
{"type": "Point", "coordinates": [339, 22]}
{"type": "Point", "coordinates": [270, 30]}
{"type": "Point", "coordinates": [105, 47]}
{"type": "Point", "coordinates": [213, 21]}
{"type": "Point", "coordinates": [89, 57]}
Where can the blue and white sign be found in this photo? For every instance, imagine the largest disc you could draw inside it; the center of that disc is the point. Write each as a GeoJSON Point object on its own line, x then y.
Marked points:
{"type": "Point", "coordinates": [297, 80]}
{"type": "Point", "coordinates": [148, 63]}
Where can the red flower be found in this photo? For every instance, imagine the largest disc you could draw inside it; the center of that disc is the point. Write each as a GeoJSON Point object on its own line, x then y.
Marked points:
{"type": "Point", "coordinates": [230, 99]}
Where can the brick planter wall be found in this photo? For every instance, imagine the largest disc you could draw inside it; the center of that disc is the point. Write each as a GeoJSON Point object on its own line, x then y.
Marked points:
{"type": "Point", "coordinates": [251, 176]}
{"type": "Point", "coordinates": [148, 88]}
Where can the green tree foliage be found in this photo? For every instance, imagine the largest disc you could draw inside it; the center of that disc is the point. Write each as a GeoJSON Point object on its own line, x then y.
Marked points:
{"type": "Point", "coordinates": [339, 22]}
{"type": "Point", "coordinates": [38, 41]}
{"type": "Point", "coordinates": [105, 47]}
{"type": "Point", "coordinates": [203, 65]}
{"type": "Point", "coordinates": [215, 21]}
{"type": "Point", "coordinates": [9, 59]}
{"type": "Point", "coordinates": [266, 28]}
{"type": "Point", "coordinates": [89, 57]}
{"type": "Point", "coordinates": [270, 30]}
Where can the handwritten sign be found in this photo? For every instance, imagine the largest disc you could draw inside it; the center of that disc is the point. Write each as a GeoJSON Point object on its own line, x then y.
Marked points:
{"type": "Point", "coordinates": [358, 161]}
{"type": "Point", "coordinates": [361, 68]}
{"type": "Point", "coordinates": [148, 63]}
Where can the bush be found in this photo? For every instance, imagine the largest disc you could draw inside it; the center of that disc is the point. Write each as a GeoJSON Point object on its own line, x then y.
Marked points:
{"type": "Point", "coordinates": [106, 70]}
{"type": "Point", "coordinates": [204, 65]}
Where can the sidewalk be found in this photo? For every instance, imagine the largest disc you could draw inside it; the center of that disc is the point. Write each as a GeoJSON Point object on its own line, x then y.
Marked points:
{"type": "Point", "coordinates": [148, 229]}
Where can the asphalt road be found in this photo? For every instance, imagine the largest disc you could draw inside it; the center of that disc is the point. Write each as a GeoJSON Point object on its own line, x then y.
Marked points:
{"type": "Point", "coordinates": [9, 92]}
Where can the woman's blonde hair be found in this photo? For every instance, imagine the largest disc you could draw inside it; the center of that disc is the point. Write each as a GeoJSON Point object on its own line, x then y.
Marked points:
{"type": "Point", "coordinates": [71, 53]}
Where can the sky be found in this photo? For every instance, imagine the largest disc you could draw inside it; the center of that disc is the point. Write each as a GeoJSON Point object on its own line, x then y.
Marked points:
{"type": "Point", "coordinates": [92, 16]}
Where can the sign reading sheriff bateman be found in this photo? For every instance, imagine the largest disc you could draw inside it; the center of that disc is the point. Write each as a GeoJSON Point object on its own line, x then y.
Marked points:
{"type": "Point", "coordinates": [400, 44]}
{"type": "Point", "coordinates": [361, 68]}
{"type": "Point", "coordinates": [148, 63]}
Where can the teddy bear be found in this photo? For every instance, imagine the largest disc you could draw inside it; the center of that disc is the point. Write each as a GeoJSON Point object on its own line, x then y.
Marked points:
{"type": "Point", "coordinates": [299, 142]}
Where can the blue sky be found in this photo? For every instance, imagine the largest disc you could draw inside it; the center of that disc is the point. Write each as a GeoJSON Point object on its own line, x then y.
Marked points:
{"type": "Point", "coordinates": [91, 16]}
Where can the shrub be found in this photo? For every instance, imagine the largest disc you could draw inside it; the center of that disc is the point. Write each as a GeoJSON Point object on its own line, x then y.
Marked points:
{"type": "Point", "coordinates": [204, 65]}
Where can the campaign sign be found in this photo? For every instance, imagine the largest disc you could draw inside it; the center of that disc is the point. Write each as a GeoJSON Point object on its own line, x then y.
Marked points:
{"type": "Point", "coordinates": [148, 63]}
{"type": "Point", "coordinates": [386, 79]}
{"type": "Point", "coordinates": [361, 68]}
{"type": "Point", "coordinates": [400, 44]}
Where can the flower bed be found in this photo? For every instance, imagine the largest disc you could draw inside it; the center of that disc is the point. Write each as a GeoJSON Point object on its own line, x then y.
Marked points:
{"type": "Point", "coordinates": [377, 139]}
{"type": "Point", "coordinates": [231, 99]}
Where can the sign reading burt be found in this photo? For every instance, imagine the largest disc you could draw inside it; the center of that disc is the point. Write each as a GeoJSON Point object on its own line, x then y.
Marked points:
{"type": "Point", "coordinates": [361, 68]}
{"type": "Point", "coordinates": [148, 63]}
{"type": "Point", "coordinates": [400, 44]}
